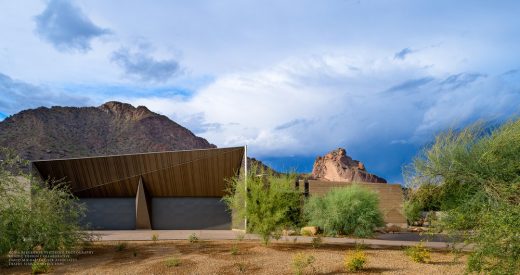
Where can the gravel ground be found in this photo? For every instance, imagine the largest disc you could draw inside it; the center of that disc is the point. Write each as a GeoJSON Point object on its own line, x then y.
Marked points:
{"type": "Point", "coordinates": [215, 257]}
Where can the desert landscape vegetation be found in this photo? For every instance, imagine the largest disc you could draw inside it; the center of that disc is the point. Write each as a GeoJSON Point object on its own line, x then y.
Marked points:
{"type": "Point", "coordinates": [259, 137]}
{"type": "Point", "coordinates": [462, 187]}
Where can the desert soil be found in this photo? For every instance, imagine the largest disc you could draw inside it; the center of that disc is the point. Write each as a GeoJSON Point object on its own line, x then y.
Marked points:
{"type": "Point", "coordinates": [215, 257]}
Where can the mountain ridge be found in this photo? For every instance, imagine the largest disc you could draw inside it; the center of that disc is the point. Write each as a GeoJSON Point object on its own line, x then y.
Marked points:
{"type": "Point", "coordinates": [120, 128]}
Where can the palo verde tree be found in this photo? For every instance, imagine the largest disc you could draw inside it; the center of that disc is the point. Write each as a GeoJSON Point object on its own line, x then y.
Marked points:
{"type": "Point", "coordinates": [34, 214]}
{"type": "Point", "coordinates": [269, 204]}
{"type": "Point", "coordinates": [474, 176]}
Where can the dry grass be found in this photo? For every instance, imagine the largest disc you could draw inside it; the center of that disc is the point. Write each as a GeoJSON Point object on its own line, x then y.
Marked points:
{"type": "Point", "coordinates": [214, 257]}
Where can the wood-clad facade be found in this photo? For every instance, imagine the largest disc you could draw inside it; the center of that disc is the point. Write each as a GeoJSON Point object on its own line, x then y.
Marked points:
{"type": "Point", "coordinates": [195, 175]}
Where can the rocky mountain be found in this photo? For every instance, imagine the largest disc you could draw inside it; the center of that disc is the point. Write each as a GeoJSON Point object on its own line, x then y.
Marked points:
{"type": "Point", "coordinates": [338, 166]}
{"type": "Point", "coordinates": [112, 128]}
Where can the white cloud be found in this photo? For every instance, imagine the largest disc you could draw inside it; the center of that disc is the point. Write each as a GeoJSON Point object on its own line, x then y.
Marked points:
{"type": "Point", "coordinates": [343, 100]}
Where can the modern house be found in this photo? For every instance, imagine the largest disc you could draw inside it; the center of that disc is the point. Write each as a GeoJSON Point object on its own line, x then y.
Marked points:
{"type": "Point", "coordinates": [163, 190]}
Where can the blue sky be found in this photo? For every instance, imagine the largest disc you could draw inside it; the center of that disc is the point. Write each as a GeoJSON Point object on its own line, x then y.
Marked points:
{"type": "Point", "coordinates": [291, 79]}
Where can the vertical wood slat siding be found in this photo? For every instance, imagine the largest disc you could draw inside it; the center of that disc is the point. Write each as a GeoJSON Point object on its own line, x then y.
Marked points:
{"type": "Point", "coordinates": [197, 173]}
{"type": "Point", "coordinates": [390, 197]}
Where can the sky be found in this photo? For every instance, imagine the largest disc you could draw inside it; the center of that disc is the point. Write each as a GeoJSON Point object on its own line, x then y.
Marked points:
{"type": "Point", "coordinates": [290, 79]}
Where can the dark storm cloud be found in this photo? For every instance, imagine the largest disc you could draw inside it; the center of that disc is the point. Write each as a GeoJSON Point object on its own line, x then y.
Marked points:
{"type": "Point", "coordinates": [144, 67]}
{"type": "Point", "coordinates": [18, 95]}
{"type": "Point", "coordinates": [66, 27]}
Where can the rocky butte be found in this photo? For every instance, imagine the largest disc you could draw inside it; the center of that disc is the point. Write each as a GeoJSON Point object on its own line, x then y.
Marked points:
{"type": "Point", "coordinates": [338, 166]}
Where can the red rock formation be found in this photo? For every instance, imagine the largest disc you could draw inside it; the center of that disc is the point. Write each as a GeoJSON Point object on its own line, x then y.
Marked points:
{"type": "Point", "coordinates": [338, 166]}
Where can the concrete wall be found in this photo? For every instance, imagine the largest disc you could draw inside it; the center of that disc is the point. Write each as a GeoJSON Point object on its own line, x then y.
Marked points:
{"type": "Point", "coordinates": [189, 213]}
{"type": "Point", "coordinates": [110, 213]}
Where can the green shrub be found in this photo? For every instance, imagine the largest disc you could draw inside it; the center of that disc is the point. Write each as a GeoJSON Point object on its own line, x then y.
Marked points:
{"type": "Point", "coordinates": [476, 177]}
{"type": "Point", "coordinates": [352, 210]}
{"type": "Point", "coordinates": [418, 253]}
{"type": "Point", "coordinates": [412, 211]}
{"type": "Point", "coordinates": [277, 235]}
{"type": "Point", "coordinates": [355, 261]}
{"type": "Point", "coordinates": [173, 262]}
{"type": "Point", "coordinates": [193, 238]}
{"type": "Point", "coordinates": [40, 266]}
{"type": "Point", "coordinates": [272, 202]}
{"type": "Point", "coordinates": [301, 261]}
{"type": "Point", "coordinates": [121, 246]}
{"type": "Point", "coordinates": [155, 237]}
{"type": "Point", "coordinates": [241, 267]}
{"type": "Point", "coordinates": [316, 242]}
{"type": "Point", "coordinates": [34, 213]}
{"type": "Point", "coordinates": [234, 249]}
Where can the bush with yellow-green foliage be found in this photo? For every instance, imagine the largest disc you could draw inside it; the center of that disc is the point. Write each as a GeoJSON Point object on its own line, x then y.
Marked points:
{"type": "Point", "coordinates": [172, 262]}
{"type": "Point", "coordinates": [355, 260]}
{"type": "Point", "coordinates": [301, 261]}
{"type": "Point", "coordinates": [193, 238]}
{"type": "Point", "coordinates": [418, 253]}
{"type": "Point", "coordinates": [155, 237]}
{"type": "Point", "coordinates": [272, 202]}
{"type": "Point", "coordinates": [40, 266]}
{"type": "Point", "coordinates": [474, 176]}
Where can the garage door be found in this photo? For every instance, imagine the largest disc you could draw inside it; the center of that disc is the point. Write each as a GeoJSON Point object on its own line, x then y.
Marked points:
{"type": "Point", "coordinates": [189, 213]}
{"type": "Point", "coordinates": [110, 213]}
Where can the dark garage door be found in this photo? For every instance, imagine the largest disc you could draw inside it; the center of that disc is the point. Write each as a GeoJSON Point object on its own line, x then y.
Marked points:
{"type": "Point", "coordinates": [189, 213]}
{"type": "Point", "coordinates": [110, 213]}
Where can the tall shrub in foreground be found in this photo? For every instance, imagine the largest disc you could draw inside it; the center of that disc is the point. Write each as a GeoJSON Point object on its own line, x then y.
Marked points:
{"type": "Point", "coordinates": [270, 203]}
{"type": "Point", "coordinates": [476, 174]}
{"type": "Point", "coordinates": [34, 214]}
{"type": "Point", "coordinates": [352, 210]}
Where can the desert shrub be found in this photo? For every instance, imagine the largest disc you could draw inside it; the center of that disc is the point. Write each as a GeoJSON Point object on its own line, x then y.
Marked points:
{"type": "Point", "coordinates": [121, 246]}
{"type": "Point", "coordinates": [277, 235]}
{"type": "Point", "coordinates": [36, 214]}
{"type": "Point", "coordinates": [172, 262]}
{"type": "Point", "coordinates": [355, 261]}
{"type": "Point", "coordinates": [241, 267]}
{"type": "Point", "coordinates": [412, 211]}
{"type": "Point", "coordinates": [155, 237]}
{"type": "Point", "coordinates": [234, 249]}
{"type": "Point", "coordinates": [40, 266]}
{"type": "Point", "coordinates": [193, 238]}
{"type": "Point", "coordinates": [418, 253]}
{"type": "Point", "coordinates": [306, 232]}
{"type": "Point", "coordinates": [301, 261]}
{"type": "Point", "coordinates": [240, 237]}
{"type": "Point", "coordinates": [476, 176]}
{"type": "Point", "coordinates": [316, 242]}
{"type": "Point", "coordinates": [352, 210]}
{"type": "Point", "coordinates": [269, 205]}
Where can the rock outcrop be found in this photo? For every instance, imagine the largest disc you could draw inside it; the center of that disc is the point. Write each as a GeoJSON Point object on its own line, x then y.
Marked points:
{"type": "Point", "coordinates": [338, 166]}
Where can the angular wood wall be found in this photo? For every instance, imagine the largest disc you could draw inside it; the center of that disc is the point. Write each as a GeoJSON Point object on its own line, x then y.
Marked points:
{"type": "Point", "coordinates": [195, 173]}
